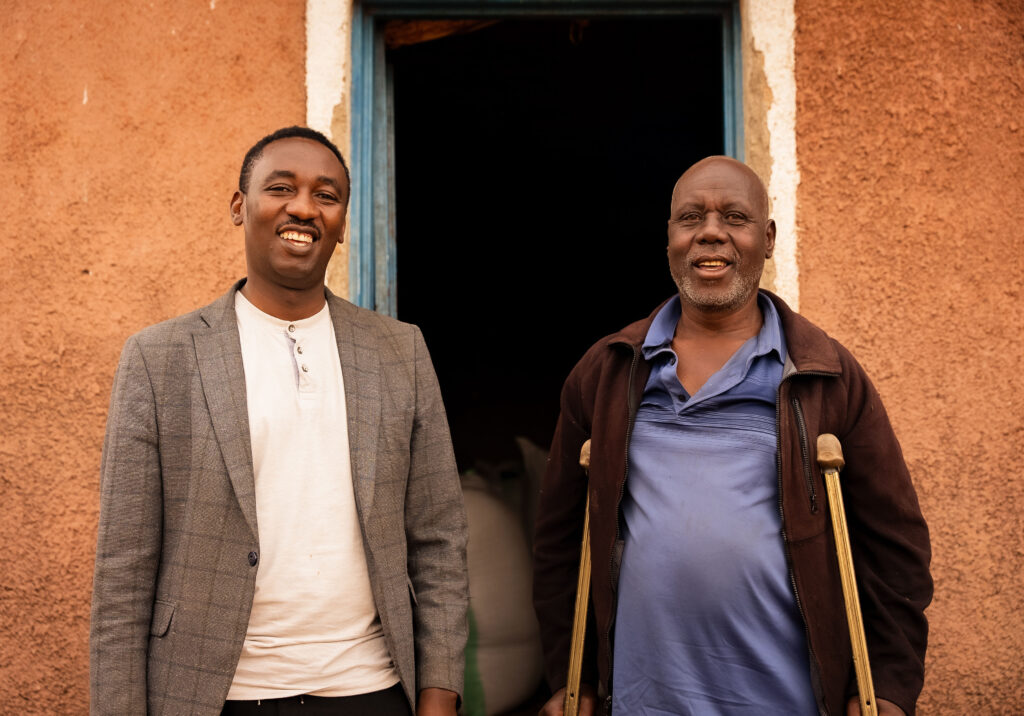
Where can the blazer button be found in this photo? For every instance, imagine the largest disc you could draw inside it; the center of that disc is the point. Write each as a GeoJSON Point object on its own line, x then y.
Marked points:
{"type": "Point", "coordinates": [253, 559]}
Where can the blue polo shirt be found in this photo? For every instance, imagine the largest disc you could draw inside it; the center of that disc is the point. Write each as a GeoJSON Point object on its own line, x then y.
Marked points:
{"type": "Point", "coordinates": [707, 622]}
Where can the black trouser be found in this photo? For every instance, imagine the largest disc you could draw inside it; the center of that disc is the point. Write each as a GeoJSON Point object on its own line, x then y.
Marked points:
{"type": "Point", "coordinates": [389, 702]}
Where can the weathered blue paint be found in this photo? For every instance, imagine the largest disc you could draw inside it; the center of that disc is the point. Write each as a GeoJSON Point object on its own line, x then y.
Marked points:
{"type": "Point", "coordinates": [362, 260]}
{"type": "Point", "coordinates": [372, 254]}
{"type": "Point", "coordinates": [732, 85]}
{"type": "Point", "coordinates": [539, 8]}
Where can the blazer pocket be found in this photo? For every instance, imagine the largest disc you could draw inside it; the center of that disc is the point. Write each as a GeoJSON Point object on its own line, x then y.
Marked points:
{"type": "Point", "coordinates": [412, 592]}
{"type": "Point", "coordinates": [162, 613]}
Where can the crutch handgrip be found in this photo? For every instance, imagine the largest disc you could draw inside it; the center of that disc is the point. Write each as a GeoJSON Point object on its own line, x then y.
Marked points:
{"type": "Point", "coordinates": [830, 452]}
{"type": "Point", "coordinates": [830, 459]}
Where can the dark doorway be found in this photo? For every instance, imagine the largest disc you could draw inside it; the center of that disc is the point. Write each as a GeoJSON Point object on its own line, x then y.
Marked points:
{"type": "Point", "coordinates": [534, 162]}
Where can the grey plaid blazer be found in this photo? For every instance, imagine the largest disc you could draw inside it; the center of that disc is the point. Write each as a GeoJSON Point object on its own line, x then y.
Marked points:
{"type": "Point", "coordinates": [178, 525]}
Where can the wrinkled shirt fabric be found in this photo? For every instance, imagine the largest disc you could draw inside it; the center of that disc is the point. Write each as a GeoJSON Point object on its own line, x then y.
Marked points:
{"type": "Point", "coordinates": [707, 619]}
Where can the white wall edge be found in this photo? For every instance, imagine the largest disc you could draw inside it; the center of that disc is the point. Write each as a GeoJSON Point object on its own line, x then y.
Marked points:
{"type": "Point", "coordinates": [327, 62]}
{"type": "Point", "coordinates": [772, 25]}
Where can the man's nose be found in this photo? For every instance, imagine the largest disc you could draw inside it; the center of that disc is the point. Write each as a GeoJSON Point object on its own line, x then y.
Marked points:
{"type": "Point", "coordinates": [712, 229]}
{"type": "Point", "coordinates": [302, 205]}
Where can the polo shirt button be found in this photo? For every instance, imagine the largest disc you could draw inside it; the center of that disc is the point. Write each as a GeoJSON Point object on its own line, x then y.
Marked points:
{"type": "Point", "coordinates": [253, 559]}
{"type": "Point", "coordinates": [291, 328]}
{"type": "Point", "coordinates": [305, 368]}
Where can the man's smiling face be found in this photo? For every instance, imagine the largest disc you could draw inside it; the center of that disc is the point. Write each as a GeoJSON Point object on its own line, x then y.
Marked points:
{"type": "Point", "coordinates": [293, 211]}
{"type": "Point", "coordinates": [719, 235]}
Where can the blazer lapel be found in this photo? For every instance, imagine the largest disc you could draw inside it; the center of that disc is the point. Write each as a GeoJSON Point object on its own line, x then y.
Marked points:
{"type": "Point", "coordinates": [219, 357]}
{"type": "Point", "coordinates": [360, 368]}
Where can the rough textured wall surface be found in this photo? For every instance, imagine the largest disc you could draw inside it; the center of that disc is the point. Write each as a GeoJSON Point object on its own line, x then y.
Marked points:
{"type": "Point", "coordinates": [910, 136]}
{"type": "Point", "coordinates": [757, 98]}
{"type": "Point", "coordinates": [123, 126]}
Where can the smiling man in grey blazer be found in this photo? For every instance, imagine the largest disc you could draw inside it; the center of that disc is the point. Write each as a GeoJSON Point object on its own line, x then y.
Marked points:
{"type": "Point", "coordinates": [281, 524]}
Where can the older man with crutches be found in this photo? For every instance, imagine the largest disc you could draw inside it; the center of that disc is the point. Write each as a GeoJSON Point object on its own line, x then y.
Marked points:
{"type": "Point", "coordinates": [715, 585]}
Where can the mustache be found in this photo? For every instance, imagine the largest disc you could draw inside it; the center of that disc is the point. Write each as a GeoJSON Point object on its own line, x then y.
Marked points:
{"type": "Point", "coordinates": [695, 256]}
{"type": "Point", "coordinates": [304, 223]}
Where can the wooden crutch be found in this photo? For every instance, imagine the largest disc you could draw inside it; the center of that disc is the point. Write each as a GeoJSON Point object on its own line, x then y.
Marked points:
{"type": "Point", "coordinates": [571, 707]}
{"type": "Point", "coordinates": [830, 460]}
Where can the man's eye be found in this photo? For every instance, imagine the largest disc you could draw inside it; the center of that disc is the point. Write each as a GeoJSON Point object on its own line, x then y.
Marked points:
{"type": "Point", "coordinates": [277, 188]}
{"type": "Point", "coordinates": [690, 217]}
{"type": "Point", "coordinates": [735, 218]}
{"type": "Point", "coordinates": [326, 196]}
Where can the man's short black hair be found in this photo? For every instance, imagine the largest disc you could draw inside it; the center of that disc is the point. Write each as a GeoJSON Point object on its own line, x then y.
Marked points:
{"type": "Point", "coordinates": [256, 152]}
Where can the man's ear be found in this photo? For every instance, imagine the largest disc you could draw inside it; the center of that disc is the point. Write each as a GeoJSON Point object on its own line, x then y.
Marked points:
{"type": "Point", "coordinates": [344, 231]}
{"type": "Point", "coordinates": [237, 206]}
{"type": "Point", "coordinates": [769, 238]}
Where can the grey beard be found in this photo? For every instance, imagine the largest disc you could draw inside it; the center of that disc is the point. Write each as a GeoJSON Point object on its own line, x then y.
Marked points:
{"type": "Point", "coordinates": [739, 292]}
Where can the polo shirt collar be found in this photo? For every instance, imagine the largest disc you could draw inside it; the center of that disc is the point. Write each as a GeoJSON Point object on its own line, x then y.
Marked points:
{"type": "Point", "coordinates": [663, 328]}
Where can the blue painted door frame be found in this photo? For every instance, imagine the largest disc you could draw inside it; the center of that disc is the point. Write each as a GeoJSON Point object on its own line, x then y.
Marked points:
{"type": "Point", "coordinates": [372, 255]}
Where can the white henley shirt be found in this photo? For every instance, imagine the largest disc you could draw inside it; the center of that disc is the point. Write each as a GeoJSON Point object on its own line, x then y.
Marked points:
{"type": "Point", "coordinates": [314, 628]}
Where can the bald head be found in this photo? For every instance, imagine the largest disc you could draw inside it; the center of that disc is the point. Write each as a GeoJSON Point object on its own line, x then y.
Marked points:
{"type": "Point", "coordinates": [719, 236]}
{"type": "Point", "coordinates": [722, 172]}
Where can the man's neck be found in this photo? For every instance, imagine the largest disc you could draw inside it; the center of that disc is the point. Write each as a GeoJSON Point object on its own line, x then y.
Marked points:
{"type": "Point", "coordinates": [705, 340]}
{"type": "Point", "coordinates": [284, 303]}
{"type": "Point", "coordinates": [701, 324]}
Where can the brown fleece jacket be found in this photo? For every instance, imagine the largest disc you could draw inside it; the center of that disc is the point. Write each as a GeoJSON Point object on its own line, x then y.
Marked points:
{"type": "Point", "coordinates": [824, 390]}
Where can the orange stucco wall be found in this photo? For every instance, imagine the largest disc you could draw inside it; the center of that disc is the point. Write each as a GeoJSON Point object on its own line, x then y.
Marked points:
{"type": "Point", "coordinates": [910, 142]}
{"type": "Point", "coordinates": [123, 125]}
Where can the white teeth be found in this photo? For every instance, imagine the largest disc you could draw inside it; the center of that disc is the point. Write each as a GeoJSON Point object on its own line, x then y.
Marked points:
{"type": "Point", "coordinates": [302, 238]}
